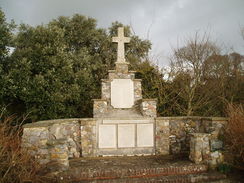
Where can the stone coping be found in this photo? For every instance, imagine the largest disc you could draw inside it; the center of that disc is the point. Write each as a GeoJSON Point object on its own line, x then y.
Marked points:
{"type": "Point", "coordinates": [105, 80]}
{"type": "Point", "coordinates": [194, 117]}
{"type": "Point", "coordinates": [200, 134]}
{"type": "Point", "coordinates": [122, 63]}
{"type": "Point", "coordinates": [53, 142]}
{"type": "Point", "coordinates": [220, 118]}
{"type": "Point", "coordinates": [136, 79]}
{"type": "Point", "coordinates": [110, 80]}
{"type": "Point", "coordinates": [149, 99]}
{"type": "Point", "coordinates": [99, 99]}
{"type": "Point", "coordinates": [125, 118]}
{"type": "Point", "coordinates": [113, 71]}
{"type": "Point", "coordinates": [48, 123]}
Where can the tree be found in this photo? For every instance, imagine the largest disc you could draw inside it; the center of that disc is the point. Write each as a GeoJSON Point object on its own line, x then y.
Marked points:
{"type": "Point", "coordinates": [55, 70]}
{"type": "Point", "coordinates": [225, 73]}
{"type": "Point", "coordinates": [6, 35]}
{"type": "Point", "coordinates": [5, 42]}
{"type": "Point", "coordinates": [187, 64]}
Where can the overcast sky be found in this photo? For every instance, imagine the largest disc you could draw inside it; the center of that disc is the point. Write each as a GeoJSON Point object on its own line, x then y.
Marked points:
{"type": "Point", "coordinates": [164, 22]}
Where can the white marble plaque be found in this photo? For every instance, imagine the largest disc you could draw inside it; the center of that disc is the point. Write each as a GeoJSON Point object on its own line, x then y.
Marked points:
{"type": "Point", "coordinates": [107, 136]}
{"type": "Point", "coordinates": [122, 93]}
{"type": "Point", "coordinates": [126, 135]}
{"type": "Point", "coordinates": [145, 135]}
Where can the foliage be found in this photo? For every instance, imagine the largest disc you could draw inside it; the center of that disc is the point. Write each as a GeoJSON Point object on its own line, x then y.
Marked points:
{"type": "Point", "coordinates": [5, 32]}
{"type": "Point", "coordinates": [224, 73]}
{"type": "Point", "coordinates": [55, 70]}
{"type": "Point", "coordinates": [204, 79]}
{"type": "Point", "coordinates": [5, 42]}
{"type": "Point", "coordinates": [224, 168]}
{"type": "Point", "coordinates": [154, 86]}
{"type": "Point", "coordinates": [235, 134]}
{"type": "Point", "coordinates": [188, 62]}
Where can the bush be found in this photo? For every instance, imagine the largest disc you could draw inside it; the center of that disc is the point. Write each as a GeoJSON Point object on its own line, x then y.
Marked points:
{"type": "Point", "coordinates": [16, 165]}
{"type": "Point", "coordinates": [235, 134]}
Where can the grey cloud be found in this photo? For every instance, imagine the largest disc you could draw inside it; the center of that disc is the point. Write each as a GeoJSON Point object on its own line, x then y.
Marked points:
{"type": "Point", "coordinates": [162, 21]}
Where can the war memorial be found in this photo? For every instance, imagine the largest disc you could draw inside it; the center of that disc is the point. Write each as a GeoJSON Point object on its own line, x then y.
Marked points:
{"type": "Point", "coordinates": [126, 141]}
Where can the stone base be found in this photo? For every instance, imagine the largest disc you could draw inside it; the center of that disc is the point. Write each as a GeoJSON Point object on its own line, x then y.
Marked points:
{"type": "Point", "coordinates": [139, 169]}
{"type": "Point", "coordinates": [126, 152]}
{"type": "Point", "coordinates": [122, 67]}
{"type": "Point", "coordinates": [199, 148]}
{"type": "Point", "coordinates": [200, 151]}
{"type": "Point", "coordinates": [81, 137]}
{"type": "Point", "coordinates": [149, 107]}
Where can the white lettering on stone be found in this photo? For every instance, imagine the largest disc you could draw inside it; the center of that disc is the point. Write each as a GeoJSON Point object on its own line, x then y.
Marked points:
{"type": "Point", "coordinates": [126, 135]}
{"type": "Point", "coordinates": [145, 137]}
{"type": "Point", "coordinates": [107, 136]}
{"type": "Point", "coordinates": [122, 93]}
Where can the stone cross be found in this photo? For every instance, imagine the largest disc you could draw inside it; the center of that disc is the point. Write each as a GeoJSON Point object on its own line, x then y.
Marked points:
{"type": "Point", "coordinates": [121, 40]}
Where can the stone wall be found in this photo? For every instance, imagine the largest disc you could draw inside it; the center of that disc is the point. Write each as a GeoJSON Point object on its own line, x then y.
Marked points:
{"type": "Point", "coordinates": [181, 129]}
{"type": "Point", "coordinates": [125, 75]}
{"type": "Point", "coordinates": [122, 67]}
{"type": "Point", "coordinates": [137, 89]}
{"type": "Point", "coordinates": [149, 107]}
{"type": "Point", "coordinates": [70, 131]}
{"type": "Point", "coordinates": [106, 89]}
{"type": "Point", "coordinates": [162, 136]}
{"type": "Point", "coordinates": [38, 136]}
{"type": "Point", "coordinates": [59, 153]}
{"type": "Point", "coordinates": [200, 148]}
{"type": "Point", "coordinates": [200, 151]}
{"type": "Point", "coordinates": [88, 137]}
{"type": "Point", "coordinates": [54, 139]}
{"type": "Point", "coordinates": [100, 107]}
{"type": "Point", "coordinates": [35, 140]}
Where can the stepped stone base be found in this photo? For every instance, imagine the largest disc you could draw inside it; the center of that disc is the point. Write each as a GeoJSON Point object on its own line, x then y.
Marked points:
{"type": "Point", "coordinates": [137, 169]}
{"type": "Point", "coordinates": [191, 178]}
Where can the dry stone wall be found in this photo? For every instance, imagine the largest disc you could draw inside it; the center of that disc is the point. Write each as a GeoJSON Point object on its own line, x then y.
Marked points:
{"type": "Point", "coordinates": [125, 75]}
{"type": "Point", "coordinates": [181, 129]}
{"type": "Point", "coordinates": [149, 107]}
{"type": "Point", "coordinates": [35, 140]}
{"type": "Point", "coordinates": [200, 149]}
{"type": "Point", "coordinates": [100, 107]}
{"type": "Point", "coordinates": [106, 89]}
{"type": "Point", "coordinates": [88, 137]}
{"type": "Point", "coordinates": [59, 153]}
{"type": "Point", "coordinates": [137, 89]}
{"type": "Point", "coordinates": [162, 136]}
{"type": "Point", "coordinates": [59, 140]}
{"type": "Point", "coordinates": [38, 137]}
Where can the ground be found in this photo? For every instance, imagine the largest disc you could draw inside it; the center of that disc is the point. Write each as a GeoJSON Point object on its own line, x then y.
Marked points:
{"type": "Point", "coordinates": [140, 169]}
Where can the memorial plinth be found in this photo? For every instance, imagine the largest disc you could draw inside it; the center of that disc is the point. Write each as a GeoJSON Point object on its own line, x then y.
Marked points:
{"type": "Point", "coordinates": [124, 127]}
